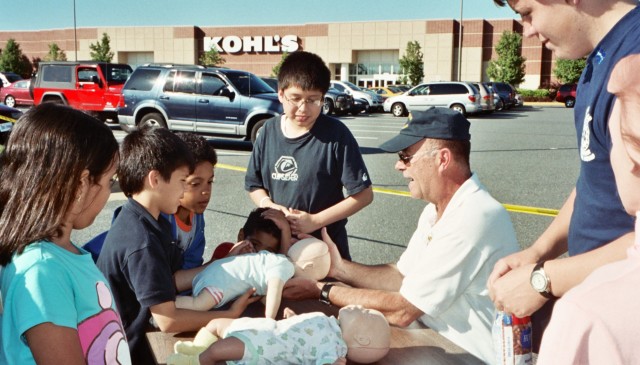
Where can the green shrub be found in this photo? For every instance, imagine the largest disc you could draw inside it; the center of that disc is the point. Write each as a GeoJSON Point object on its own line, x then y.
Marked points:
{"type": "Point", "coordinates": [535, 95]}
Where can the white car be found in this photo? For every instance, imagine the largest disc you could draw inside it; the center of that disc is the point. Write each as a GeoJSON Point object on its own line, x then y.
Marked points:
{"type": "Point", "coordinates": [459, 96]}
{"type": "Point", "coordinates": [375, 101]}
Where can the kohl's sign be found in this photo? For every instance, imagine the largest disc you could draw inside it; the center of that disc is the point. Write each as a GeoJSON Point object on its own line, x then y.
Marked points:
{"type": "Point", "coordinates": [257, 44]}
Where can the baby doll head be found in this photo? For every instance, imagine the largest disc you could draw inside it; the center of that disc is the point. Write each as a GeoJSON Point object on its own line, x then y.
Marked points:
{"type": "Point", "coordinates": [366, 333]}
{"type": "Point", "coordinates": [310, 257]}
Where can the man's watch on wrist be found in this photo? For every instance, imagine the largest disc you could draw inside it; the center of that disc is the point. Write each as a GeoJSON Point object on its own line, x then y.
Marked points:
{"type": "Point", "coordinates": [540, 281]}
{"type": "Point", "coordinates": [324, 293]}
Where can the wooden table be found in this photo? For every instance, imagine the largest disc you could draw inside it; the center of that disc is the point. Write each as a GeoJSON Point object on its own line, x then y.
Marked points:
{"type": "Point", "coordinates": [412, 345]}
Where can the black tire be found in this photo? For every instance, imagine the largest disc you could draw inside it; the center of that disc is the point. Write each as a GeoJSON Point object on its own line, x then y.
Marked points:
{"type": "Point", "coordinates": [327, 107]}
{"type": "Point", "coordinates": [398, 110]}
{"type": "Point", "coordinates": [459, 108]}
{"type": "Point", "coordinates": [10, 101]}
{"type": "Point", "coordinates": [569, 102]}
{"type": "Point", "coordinates": [500, 105]}
{"type": "Point", "coordinates": [154, 120]}
{"type": "Point", "coordinates": [255, 131]}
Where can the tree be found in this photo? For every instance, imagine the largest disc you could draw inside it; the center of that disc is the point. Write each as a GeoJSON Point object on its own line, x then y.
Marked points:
{"type": "Point", "coordinates": [569, 71]}
{"type": "Point", "coordinates": [412, 63]}
{"type": "Point", "coordinates": [101, 50]}
{"type": "Point", "coordinates": [212, 58]}
{"type": "Point", "coordinates": [509, 67]}
{"type": "Point", "coordinates": [55, 53]}
{"type": "Point", "coordinates": [12, 59]}
{"type": "Point", "coordinates": [276, 69]}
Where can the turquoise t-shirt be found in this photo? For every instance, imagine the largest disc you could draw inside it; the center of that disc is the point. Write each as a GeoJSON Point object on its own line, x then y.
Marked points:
{"type": "Point", "coordinates": [47, 283]}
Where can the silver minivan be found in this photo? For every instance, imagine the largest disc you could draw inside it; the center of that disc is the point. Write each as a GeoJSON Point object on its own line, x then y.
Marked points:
{"type": "Point", "coordinates": [459, 96]}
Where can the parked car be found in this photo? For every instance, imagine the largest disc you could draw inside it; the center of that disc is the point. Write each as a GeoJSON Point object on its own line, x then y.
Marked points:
{"type": "Point", "coordinates": [374, 101]}
{"type": "Point", "coordinates": [456, 95]}
{"type": "Point", "coordinates": [387, 91]}
{"type": "Point", "coordinates": [337, 102]}
{"type": "Point", "coordinates": [519, 100]}
{"type": "Point", "coordinates": [359, 106]}
{"type": "Point", "coordinates": [567, 94]}
{"type": "Point", "coordinates": [8, 117]}
{"type": "Point", "coordinates": [193, 98]}
{"type": "Point", "coordinates": [506, 92]}
{"type": "Point", "coordinates": [90, 86]}
{"type": "Point", "coordinates": [7, 78]}
{"type": "Point", "coordinates": [487, 100]}
{"type": "Point", "coordinates": [16, 93]}
{"type": "Point", "coordinates": [271, 81]}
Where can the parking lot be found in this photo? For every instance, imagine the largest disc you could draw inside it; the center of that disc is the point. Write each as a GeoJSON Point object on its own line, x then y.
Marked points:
{"type": "Point", "coordinates": [526, 157]}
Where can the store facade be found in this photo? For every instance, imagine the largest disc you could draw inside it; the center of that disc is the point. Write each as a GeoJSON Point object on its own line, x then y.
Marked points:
{"type": "Point", "coordinates": [365, 53]}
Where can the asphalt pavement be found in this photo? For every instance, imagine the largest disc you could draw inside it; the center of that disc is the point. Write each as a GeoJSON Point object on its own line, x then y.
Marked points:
{"type": "Point", "coordinates": [526, 157]}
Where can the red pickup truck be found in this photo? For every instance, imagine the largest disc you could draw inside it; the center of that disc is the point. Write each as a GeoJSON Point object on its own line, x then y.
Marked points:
{"type": "Point", "coordinates": [91, 86]}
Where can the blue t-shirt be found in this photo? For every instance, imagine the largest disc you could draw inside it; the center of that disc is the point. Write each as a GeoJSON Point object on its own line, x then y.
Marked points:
{"type": "Point", "coordinates": [47, 283]}
{"type": "Point", "coordinates": [598, 215]}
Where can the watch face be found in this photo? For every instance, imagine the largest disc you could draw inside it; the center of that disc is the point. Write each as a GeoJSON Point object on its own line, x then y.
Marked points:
{"type": "Point", "coordinates": [538, 281]}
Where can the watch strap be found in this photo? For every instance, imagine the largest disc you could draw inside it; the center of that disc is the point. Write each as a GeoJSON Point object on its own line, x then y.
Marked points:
{"type": "Point", "coordinates": [324, 293]}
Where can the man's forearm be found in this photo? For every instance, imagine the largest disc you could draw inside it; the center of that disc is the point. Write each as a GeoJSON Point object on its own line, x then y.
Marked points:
{"type": "Point", "coordinates": [381, 277]}
{"type": "Point", "coordinates": [553, 242]}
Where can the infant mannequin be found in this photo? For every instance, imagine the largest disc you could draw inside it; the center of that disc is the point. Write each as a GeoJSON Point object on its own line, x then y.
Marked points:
{"type": "Point", "coordinates": [362, 335]}
{"type": "Point", "coordinates": [226, 279]}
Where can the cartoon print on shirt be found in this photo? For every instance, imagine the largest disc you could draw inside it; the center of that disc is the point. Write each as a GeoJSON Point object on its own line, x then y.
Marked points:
{"type": "Point", "coordinates": [101, 336]}
{"type": "Point", "coordinates": [585, 152]}
{"type": "Point", "coordinates": [286, 169]}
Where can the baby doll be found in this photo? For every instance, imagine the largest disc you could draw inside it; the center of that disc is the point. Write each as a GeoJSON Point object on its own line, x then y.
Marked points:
{"type": "Point", "coordinates": [226, 279]}
{"type": "Point", "coordinates": [362, 335]}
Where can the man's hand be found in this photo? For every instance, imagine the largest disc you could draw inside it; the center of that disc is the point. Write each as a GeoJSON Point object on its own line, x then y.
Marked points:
{"type": "Point", "coordinates": [300, 289]}
{"type": "Point", "coordinates": [301, 222]}
{"type": "Point", "coordinates": [512, 292]}
{"type": "Point", "coordinates": [337, 269]}
{"type": "Point", "coordinates": [240, 304]}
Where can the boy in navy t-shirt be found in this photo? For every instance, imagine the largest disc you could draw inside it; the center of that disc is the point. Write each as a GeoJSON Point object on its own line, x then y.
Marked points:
{"type": "Point", "coordinates": [302, 161]}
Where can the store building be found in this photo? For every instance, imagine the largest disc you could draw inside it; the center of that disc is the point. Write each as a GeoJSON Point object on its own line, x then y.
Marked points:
{"type": "Point", "coordinates": [365, 53]}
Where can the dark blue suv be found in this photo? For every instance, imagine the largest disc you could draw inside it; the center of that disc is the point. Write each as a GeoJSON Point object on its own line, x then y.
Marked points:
{"type": "Point", "coordinates": [193, 98]}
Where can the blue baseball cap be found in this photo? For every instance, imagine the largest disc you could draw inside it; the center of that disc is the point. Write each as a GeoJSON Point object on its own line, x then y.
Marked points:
{"type": "Point", "coordinates": [437, 123]}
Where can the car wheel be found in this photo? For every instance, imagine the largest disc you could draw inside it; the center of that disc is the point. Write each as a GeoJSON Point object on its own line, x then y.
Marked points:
{"type": "Point", "coordinates": [53, 99]}
{"type": "Point", "coordinates": [569, 102]}
{"type": "Point", "coordinates": [398, 110]}
{"type": "Point", "coordinates": [500, 105]}
{"type": "Point", "coordinates": [257, 128]}
{"type": "Point", "coordinates": [153, 120]}
{"type": "Point", "coordinates": [327, 108]}
{"type": "Point", "coordinates": [10, 101]}
{"type": "Point", "coordinates": [459, 108]}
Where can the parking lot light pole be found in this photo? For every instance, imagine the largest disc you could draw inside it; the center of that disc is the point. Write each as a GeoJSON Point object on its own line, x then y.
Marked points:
{"type": "Point", "coordinates": [75, 34]}
{"type": "Point", "coordinates": [460, 44]}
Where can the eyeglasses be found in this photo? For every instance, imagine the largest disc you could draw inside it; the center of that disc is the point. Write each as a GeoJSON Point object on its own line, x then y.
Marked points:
{"type": "Point", "coordinates": [406, 159]}
{"type": "Point", "coordinates": [298, 103]}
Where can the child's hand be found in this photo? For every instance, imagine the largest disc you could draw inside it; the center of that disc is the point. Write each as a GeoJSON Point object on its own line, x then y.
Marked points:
{"type": "Point", "coordinates": [301, 222]}
{"type": "Point", "coordinates": [239, 306]}
{"type": "Point", "coordinates": [241, 248]}
{"type": "Point", "coordinates": [288, 313]}
{"type": "Point", "coordinates": [278, 217]}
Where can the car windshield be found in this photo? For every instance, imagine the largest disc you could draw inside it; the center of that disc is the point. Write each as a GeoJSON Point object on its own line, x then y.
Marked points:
{"type": "Point", "coordinates": [116, 74]}
{"type": "Point", "coordinates": [353, 86]}
{"type": "Point", "coordinates": [248, 84]}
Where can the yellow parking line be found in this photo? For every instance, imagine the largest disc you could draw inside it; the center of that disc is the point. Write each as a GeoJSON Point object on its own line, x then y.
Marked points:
{"type": "Point", "coordinates": [510, 207]}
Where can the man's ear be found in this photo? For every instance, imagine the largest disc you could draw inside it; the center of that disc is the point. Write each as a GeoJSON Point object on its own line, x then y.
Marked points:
{"type": "Point", "coordinates": [240, 235]}
{"type": "Point", "coordinates": [444, 158]}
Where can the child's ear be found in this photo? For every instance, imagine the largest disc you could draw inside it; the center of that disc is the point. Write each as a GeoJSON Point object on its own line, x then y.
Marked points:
{"type": "Point", "coordinates": [240, 235]}
{"type": "Point", "coordinates": [153, 178]}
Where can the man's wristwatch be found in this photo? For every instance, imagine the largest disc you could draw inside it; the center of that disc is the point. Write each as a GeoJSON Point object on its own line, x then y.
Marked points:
{"type": "Point", "coordinates": [540, 281]}
{"type": "Point", "coordinates": [324, 293]}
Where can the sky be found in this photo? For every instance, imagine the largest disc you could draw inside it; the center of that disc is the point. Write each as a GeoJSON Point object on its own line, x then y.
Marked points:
{"type": "Point", "coordinates": [57, 14]}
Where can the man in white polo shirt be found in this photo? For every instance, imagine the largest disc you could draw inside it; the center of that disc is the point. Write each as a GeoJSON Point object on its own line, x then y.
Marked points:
{"type": "Point", "coordinates": [440, 280]}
